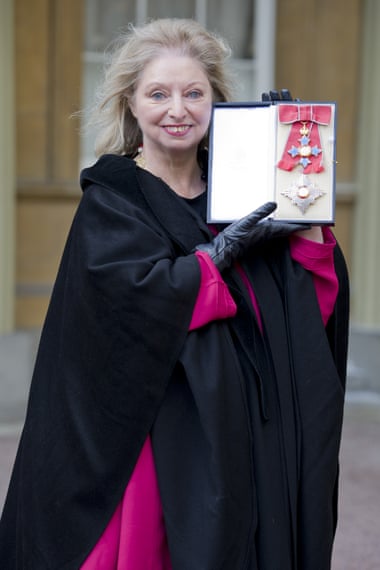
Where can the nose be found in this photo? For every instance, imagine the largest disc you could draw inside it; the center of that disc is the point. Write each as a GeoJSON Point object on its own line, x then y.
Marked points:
{"type": "Point", "coordinates": [177, 107]}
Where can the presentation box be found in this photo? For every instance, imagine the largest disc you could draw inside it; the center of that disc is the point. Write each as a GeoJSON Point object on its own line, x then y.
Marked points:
{"type": "Point", "coordinates": [264, 151]}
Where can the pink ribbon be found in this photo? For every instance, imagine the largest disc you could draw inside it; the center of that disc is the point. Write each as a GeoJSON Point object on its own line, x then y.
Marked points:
{"type": "Point", "coordinates": [311, 116]}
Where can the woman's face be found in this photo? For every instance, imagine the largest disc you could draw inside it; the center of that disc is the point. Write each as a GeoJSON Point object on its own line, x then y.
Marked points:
{"type": "Point", "coordinates": [172, 103]}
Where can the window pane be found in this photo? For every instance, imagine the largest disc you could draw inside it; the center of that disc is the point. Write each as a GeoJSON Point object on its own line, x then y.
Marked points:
{"type": "Point", "coordinates": [103, 20]}
{"type": "Point", "coordinates": [245, 86]}
{"type": "Point", "coordinates": [171, 9]}
{"type": "Point", "coordinates": [233, 19]}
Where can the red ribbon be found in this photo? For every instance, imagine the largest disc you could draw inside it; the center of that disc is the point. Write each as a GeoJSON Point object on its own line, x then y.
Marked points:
{"type": "Point", "coordinates": [296, 115]}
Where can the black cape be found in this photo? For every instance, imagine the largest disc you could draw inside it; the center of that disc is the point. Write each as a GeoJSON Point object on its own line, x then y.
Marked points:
{"type": "Point", "coordinates": [245, 426]}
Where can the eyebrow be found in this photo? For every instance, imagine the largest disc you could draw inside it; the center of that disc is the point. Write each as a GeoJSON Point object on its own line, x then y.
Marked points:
{"type": "Point", "coordinates": [163, 84]}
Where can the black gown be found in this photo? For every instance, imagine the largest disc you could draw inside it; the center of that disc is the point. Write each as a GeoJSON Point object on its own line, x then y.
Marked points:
{"type": "Point", "coordinates": [245, 425]}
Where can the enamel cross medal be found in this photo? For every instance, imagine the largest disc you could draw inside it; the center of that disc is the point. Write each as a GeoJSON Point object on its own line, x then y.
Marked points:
{"type": "Point", "coordinates": [303, 151]}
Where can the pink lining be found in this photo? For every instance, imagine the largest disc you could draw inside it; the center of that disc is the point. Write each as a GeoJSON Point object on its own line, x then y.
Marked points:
{"type": "Point", "coordinates": [214, 300]}
{"type": "Point", "coordinates": [319, 259]}
{"type": "Point", "coordinates": [135, 538]}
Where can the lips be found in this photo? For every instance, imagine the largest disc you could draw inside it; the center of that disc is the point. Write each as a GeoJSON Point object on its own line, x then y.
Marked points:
{"type": "Point", "coordinates": [177, 129]}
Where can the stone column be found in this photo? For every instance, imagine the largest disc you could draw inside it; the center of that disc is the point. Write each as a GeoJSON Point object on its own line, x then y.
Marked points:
{"type": "Point", "coordinates": [7, 177]}
{"type": "Point", "coordinates": [365, 282]}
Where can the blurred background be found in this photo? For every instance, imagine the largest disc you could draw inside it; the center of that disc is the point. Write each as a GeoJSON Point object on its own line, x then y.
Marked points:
{"type": "Point", "coordinates": [51, 58]}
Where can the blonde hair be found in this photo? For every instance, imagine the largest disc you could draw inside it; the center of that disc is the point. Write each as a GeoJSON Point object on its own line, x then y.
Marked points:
{"type": "Point", "coordinates": [118, 131]}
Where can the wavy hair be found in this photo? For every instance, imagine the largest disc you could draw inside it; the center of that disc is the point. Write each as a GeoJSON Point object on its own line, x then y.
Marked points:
{"type": "Point", "coordinates": [118, 130]}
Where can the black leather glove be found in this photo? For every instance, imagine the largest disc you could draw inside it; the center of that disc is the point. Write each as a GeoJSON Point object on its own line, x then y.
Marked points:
{"type": "Point", "coordinates": [250, 231]}
{"type": "Point", "coordinates": [274, 95]}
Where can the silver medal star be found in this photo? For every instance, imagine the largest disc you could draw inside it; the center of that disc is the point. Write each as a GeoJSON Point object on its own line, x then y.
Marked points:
{"type": "Point", "coordinates": [303, 193]}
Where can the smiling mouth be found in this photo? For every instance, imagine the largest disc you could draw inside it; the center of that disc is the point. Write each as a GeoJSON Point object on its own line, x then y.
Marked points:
{"type": "Point", "coordinates": [177, 129]}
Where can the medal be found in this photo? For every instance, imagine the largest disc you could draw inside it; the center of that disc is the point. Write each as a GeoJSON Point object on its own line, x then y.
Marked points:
{"type": "Point", "coordinates": [304, 150]}
{"type": "Point", "coordinates": [303, 193]}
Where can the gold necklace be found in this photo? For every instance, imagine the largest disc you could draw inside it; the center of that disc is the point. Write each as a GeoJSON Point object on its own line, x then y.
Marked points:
{"type": "Point", "coordinates": [140, 159]}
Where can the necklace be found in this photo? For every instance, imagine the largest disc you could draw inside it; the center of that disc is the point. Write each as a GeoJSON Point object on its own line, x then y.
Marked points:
{"type": "Point", "coordinates": [140, 159]}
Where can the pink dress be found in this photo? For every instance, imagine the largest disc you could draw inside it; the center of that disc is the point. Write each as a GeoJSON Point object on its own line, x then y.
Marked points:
{"type": "Point", "coordinates": [135, 537]}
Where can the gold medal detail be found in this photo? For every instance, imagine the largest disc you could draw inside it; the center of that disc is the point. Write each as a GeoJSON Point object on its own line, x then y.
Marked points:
{"type": "Point", "coordinates": [303, 192]}
{"type": "Point", "coordinates": [305, 150]}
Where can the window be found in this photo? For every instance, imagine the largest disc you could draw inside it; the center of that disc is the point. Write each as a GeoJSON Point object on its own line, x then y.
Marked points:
{"type": "Point", "coordinates": [248, 25]}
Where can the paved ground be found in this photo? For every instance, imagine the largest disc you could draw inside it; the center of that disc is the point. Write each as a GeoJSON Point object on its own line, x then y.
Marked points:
{"type": "Point", "coordinates": [357, 544]}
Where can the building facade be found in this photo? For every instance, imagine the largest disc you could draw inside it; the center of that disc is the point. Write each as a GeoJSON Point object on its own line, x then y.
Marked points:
{"type": "Point", "coordinates": [50, 55]}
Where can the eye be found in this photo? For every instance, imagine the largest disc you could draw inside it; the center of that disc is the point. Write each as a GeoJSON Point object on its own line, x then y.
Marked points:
{"type": "Point", "coordinates": [157, 96]}
{"type": "Point", "coordinates": [194, 94]}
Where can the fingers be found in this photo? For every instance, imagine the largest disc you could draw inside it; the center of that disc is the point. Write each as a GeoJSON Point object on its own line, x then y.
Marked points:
{"type": "Point", "coordinates": [300, 227]}
{"type": "Point", "coordinates": [284, 228]}
{"type": "Point", "coordinates": [293, 227]}
{"type": "Point", "coordinates": [265, 97]}
{"type": "Point", "coordinates": [285, 95]}
{"type": "Point", "coordinates": [264, 210]}
{"type": "Point", "coordinates": [274, 95]}
{"type": "Point", "coordinates": [245, 224]}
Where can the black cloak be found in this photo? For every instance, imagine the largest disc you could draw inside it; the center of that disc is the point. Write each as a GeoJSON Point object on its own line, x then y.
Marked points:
{"type": "Point", "coordinates": [245, 426]}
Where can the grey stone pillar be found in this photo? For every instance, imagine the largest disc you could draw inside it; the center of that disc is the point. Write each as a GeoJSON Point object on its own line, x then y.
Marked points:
{"type": "Point", "coordinates": [366, 245]}
{"type": "Point", "coordinates": [7, 177]}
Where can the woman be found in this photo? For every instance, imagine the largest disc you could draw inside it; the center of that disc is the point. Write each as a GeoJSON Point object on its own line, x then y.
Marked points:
{"type": "Point", "coordinates": [186, 405]}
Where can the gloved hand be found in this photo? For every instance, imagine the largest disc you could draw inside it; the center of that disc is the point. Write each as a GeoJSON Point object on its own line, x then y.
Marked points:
{"type": "Point", "coordinates": [250, 231]}
{"type": "Point", "coordinates": [283, 95]}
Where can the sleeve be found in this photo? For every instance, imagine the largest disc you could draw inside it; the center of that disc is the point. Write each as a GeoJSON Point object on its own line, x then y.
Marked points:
{"type": "Point", "coordinates": [319, 259]}
{"type": "Point", "coordinates": [214, 300]}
